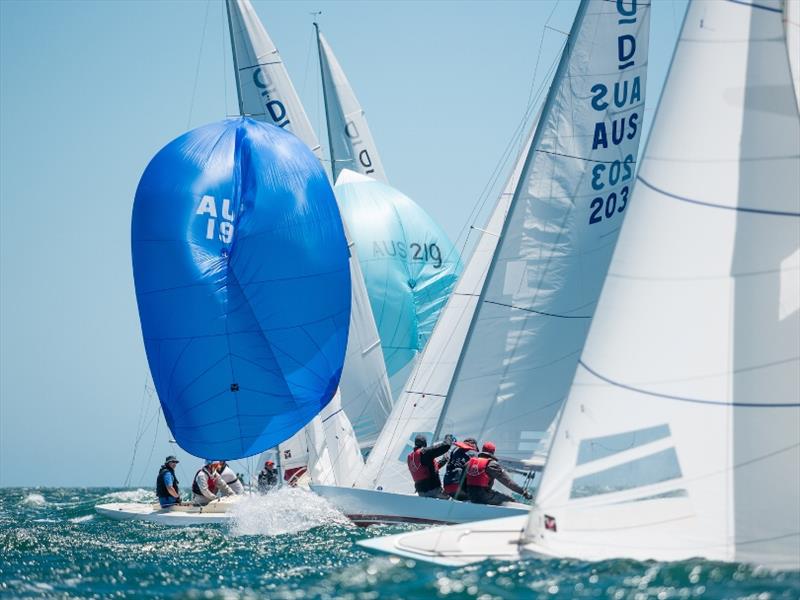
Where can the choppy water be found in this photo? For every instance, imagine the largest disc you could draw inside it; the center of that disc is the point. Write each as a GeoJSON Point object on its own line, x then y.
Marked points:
{"type": "Point", "coordinates": [295, 546]}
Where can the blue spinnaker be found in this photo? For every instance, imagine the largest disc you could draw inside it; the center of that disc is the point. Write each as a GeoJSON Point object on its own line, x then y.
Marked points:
{"type": "Point", "coordinates": [409, 264]}
{"type": "Point", "coordinates": [242, 279]}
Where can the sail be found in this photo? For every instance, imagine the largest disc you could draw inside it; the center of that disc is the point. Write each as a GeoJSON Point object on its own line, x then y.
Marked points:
{"type": "Point", "coordinates": [351, 143]}
{"type": "Point", "coordinates": [791, 20]}
{"type": "Point", "coordinates": [409, 265]}
{"type": "Point", "coordinates": [243, 351]}
{"type": "Point", "coordinates": [418, 408]}
{"type": "Point", "coordinates": [681, 435]}
{"type": "Point", "coordinates": [265, 90]}
{"type": "Point", "coordinates": [263, 80]}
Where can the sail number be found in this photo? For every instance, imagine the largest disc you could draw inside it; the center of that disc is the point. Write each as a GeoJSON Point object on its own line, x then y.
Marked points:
{"type": "Point", "coordinates": [419, 252]}
{"type": "Point", "coordinates": [612, 173]}
{"type": "Point", "coordinates": [223, 231]}
{"type": "Point", "coordinates": [608, 205]}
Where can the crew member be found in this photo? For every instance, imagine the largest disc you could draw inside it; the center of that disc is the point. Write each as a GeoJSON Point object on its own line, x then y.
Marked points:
{"type": "Point", "coordinates": [453, 480]}
{"type": "Point", "coordinates": [267, 477]}
{"type": "Point", "coordinates": [424, 467]}
{"type": "Point", "coordinates": [207, 484]}
{"type": "Point", "coordinates": [167, 483]}
{"type": "Point", "coordinates": [482, 470]}
{"type": "Point", "coordinates": [230, 477]}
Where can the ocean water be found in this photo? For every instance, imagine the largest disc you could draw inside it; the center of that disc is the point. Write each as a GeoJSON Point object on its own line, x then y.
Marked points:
{"type": "Point", "coordinates": [293, 545]}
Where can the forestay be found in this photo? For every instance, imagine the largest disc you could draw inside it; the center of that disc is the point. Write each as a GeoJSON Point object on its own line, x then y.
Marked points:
{"type": "Point", "coordinates": [681, 435]}
{"type": "Point", "coordinates": [266, 93]}
{"type": "Point", "coordinates": [351, 143]}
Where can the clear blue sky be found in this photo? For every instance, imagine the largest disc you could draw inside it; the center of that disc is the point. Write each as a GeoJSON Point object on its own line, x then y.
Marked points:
{"type": "Point", "coordinates": [89, 91]}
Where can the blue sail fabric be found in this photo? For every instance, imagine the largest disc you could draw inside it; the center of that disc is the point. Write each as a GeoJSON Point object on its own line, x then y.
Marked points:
{"type": "Point", "coordinates": [409, 265]}
{"type": "Point", "coordinates": [243, 284]}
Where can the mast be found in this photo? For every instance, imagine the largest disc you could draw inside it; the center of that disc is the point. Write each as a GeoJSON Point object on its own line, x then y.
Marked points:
{"type": "Point", "coordinates": [325, 102]}
{"type": "Point", "coordinates": [235, 58]}
{"type": "Point", "coordinates": [562, 66]}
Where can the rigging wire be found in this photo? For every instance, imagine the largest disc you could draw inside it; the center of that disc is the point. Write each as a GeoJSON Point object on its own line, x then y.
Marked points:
{"type": "Point", "coordinates": [197, 68]}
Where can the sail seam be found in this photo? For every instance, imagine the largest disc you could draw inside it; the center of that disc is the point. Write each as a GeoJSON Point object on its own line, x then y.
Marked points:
{"type": "Point", "coordinates": [761, 6]}
{"type": "Point", "coordinates": [692, 400]}
{"type": "Point", "coordinates": [538, 312]}
{"type": "Point", "coordinates": [760, 211]}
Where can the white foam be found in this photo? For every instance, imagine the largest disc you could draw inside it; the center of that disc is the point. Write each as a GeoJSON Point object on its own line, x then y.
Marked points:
{"type": "Point", "coordinates": [82, 519]}
{"type": "Point", "coordinates": [139, 495]}
{"type": "Point", "coordinates": [287, 510]}
{"type": "Point", "coordinates": [34, 500]}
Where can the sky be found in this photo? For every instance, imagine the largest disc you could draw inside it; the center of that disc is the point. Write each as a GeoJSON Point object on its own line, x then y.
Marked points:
{"type": "Point", "coordinates": [91, 90]}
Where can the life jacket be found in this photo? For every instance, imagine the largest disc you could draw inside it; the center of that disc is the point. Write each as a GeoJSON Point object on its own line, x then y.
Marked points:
{"type": "Point", "coordinates": [455, 467]}
{"type": "Point", "coordinates": [212, 483]}
{"type": "Point", "coordinates": [161, 485]}
{"type": "Point", "coordinates": [477, 475]}
{"type": "Point", "coordinates": [419, 472]}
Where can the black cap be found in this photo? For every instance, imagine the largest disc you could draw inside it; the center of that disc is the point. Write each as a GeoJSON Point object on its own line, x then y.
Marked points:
{"type": "Point", "coordinates": [170, 459]}
{"type": "Point", "coordinates": [420, 441]}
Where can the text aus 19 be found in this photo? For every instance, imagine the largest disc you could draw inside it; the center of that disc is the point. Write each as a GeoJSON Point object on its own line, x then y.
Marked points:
{"type": "Point", "coordinates": [626, 92]}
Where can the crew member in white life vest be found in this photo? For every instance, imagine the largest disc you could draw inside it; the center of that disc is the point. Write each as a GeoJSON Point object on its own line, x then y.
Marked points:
{"type": "Point", "coordinates": [424, 467]}
{"type": "Point", "coordinates": [482, 470]}
{"type": "Point", "coordinates": [230, 477]}
{"type": "Point", "coordinates": [207, 484]}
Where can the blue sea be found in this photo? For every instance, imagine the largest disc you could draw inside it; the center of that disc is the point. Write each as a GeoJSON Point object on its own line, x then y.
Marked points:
{"type": "Point", "coordinates": [292, 545]}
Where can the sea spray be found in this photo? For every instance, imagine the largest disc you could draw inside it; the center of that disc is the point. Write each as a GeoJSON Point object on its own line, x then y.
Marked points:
{"type": "Point", "coordinates": [33, 500]}
{"type": "Point", "coordinates": [137, 495]}
{"type": "Point", "coordinates": [286, 510]}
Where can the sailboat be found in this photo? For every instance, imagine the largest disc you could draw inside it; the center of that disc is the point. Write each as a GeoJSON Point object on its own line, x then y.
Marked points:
{"type": "Point", "coordinates": [243, 351]}
{"type": "Point", "coordinates": [503, 355]}
{"type": "Point", "coordinates": [681, 434]}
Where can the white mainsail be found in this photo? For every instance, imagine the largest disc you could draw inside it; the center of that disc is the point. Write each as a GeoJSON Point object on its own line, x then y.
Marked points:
{"type": "Point", "coordinates": [266, 93]}
{"type": "Point", "coordinates": [351, 143]}
{"type": "Point", "coordinates": [500, 362]}
{"type": "Point", "coordinates": [681, 435]}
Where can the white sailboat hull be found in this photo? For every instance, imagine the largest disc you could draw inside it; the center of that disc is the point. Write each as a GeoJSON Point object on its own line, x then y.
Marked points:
{"type": "Point", "coordinates": [370, 507]}
{"type": "Point", "coordinates": [216, 512]}
{"type": "Point", "coordinates": [458, 545]}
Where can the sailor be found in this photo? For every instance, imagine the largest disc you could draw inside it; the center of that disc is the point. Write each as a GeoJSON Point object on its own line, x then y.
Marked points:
{"type": "Point", "coordinates": [207, 484]}
{"type": "Point", "coordinates": [267, 477]}
{"type": "Point", "coordinates": [482, 470]}
{"type": "Point", "coordinates": [424, 467]}
{"type": "Point", "coordinates": [455, 472]}
{"type": "Point", "coordinates": [167, 483]}
{"type": "Point", "coordinates": [230, 477]}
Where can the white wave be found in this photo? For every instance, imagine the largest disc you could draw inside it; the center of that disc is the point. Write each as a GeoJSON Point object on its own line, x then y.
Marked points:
{"type": "Point", "coordinates": [82, 519]}
{"type": "Point", "coordinates": [287, 510]}
{"type": "Point", "coordinates": [33, 500]}
{"type": "Point", "coordinates": [46, 521]}
{"type": "Point", "coordinates": [138, 495]}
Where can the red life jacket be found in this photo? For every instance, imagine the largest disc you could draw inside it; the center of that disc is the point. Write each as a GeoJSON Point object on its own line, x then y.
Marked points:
{"type": "Point", "coordinates": [476, 472]}
{"type": "Point", "coordinates": [212, 482]}
{"type": "Point", "coordinates": [419, 472]}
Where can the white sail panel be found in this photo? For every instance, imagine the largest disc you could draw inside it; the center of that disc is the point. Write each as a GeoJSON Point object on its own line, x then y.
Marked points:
{"type": "Point", "coordinates": [418, 409]}
{"type": "Point", "coordinates": [266, 93]}
{"type": "Point", "coordinates": [366, 395]}
{"type": "Point", "coordinates": [681, 435]}
{"type": "Point", "coordinates": [335, 456]}
{"type": "Point", "coordinates": [351, 143]}
{"type": "Point", "coordinates": [533, 316]}
{"type": "Point", "coordinates": [265, 90]}
{"type": "Point", "coordinates": [791, 20]}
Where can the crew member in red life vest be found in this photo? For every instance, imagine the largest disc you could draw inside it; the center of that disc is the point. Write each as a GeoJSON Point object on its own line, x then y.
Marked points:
{"type": "Point", "coordinates": [455, 472]}
{"type": "Point", "coordinates": [482, 470]}
{"type": "Point", "coordinates": [424, 467]}
{"type": "Point", "coordinates": [208, 484]}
